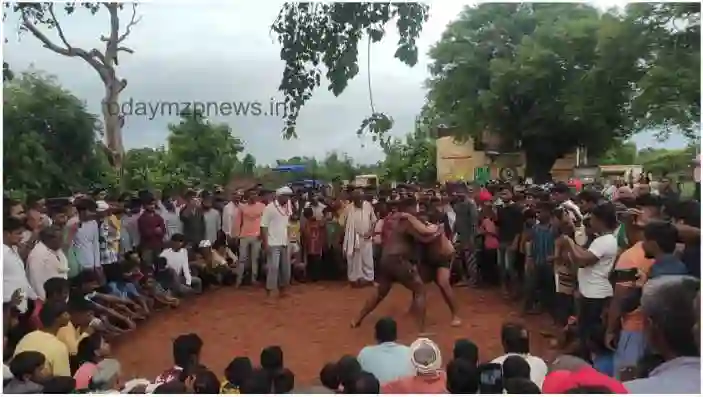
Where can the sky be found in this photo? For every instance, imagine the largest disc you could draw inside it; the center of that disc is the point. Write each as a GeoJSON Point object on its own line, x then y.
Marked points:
{"type": "Point", "coordinates": [223, 52]}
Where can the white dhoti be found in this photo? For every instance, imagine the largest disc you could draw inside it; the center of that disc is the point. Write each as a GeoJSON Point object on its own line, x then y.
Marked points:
{"type": "Point", "coordinates": [358, 245]}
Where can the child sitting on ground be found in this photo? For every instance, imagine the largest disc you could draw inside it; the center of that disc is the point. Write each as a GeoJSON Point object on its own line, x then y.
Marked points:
{"type": "Point", "coordinates": [237, 372]}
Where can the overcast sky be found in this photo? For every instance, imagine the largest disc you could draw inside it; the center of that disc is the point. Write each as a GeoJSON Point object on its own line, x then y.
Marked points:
{"type": "Point", "coordinates": [223, 51]}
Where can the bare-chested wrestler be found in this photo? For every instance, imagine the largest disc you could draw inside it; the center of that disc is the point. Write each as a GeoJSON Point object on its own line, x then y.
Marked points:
{"type": "Point", "coordinates": [404, 231]}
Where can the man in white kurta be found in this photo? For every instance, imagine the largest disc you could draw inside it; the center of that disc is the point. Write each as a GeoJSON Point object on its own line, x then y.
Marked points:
{"type": "Point", "coordinates": [358, 244]}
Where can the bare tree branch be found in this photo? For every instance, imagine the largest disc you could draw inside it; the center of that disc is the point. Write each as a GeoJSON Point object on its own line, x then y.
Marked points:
{"type": "Point", "coordinates": [58, 26]}
{"type": "Point", "coordinates": [125, 49]}
{"type": "Point", "coordinates": [133, 22]}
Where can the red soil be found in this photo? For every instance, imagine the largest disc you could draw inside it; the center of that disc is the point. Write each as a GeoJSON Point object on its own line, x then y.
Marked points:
{"type": "Point", "coordinates": [312, 327]}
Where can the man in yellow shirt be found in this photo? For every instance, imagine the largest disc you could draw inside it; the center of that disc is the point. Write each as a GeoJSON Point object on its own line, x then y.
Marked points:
{"type": "Point", "coordinates": [54, 316]}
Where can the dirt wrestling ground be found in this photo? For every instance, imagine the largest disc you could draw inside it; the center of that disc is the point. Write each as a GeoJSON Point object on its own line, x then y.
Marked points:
{"type": "Point", "coordinates": [312, 327]}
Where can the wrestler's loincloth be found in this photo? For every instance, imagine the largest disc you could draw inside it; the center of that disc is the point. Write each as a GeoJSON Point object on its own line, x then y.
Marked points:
{"type": "Point", "coordinates": [397, 268]}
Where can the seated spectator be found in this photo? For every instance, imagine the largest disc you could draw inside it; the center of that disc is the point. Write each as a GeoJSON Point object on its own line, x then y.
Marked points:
{"type": "Point", "coordinates": [91, 350]}
{"type": "Point", "coordinates": [59, 385]}
{"type": "Point", "coordinates": [283, 381]}
{"type": "Point", "coordinates": [516, 341]}
{"type": "Point", "coordinates": [515, 367]}
{"type": "Point", "coordinates": [179, 279]}
{"type": "Point", "coordinates": [565, 381]}
{"type": "Point", "coordinates": [206, 382]}
{"type": "Point", "coordinates": [212, 266]}
{"type": "Point", "coordinates": [660, 240]}
{"type": "Point", "coordinates": [29, 371]}
{"type": "Point", "coordinates": [53, 316]}
{"type": "Point", "coordinates": [329, 377]}
{"type": "Point", "coordinates": [429, 377]}
{"type": "Point", "coordinates": [186, 354]}
{"type": "Point", "coordinates": [106, 377]}
{"type": "Point", "coordinates": [466, 350]}
{"type": "Point", "coordinates": [271, 359]}
{"type": "Point", "coordinates": [462, 377]}
{"type": "Point", "coordinates": [387, 360]}
{"type": "Point", "coordinates": [366, 383]}
{"type": "Point", "coordinates": [520, 386]}
{"type": "Point", "coordinates": [667, 304]}
{"type": "Point", "coordinates": [172, 387]}
{"type": "Point", "coordinates": [260, 382]}
{"type": "Point", "coordinates": [236, 373]}
{"type": "Point", "coordinates": [115, 315]}
{"type": "Point", "coordinates": [348, 368]}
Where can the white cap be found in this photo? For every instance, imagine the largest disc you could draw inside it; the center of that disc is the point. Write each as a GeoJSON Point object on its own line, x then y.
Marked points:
{"type": "Point", "coordinates": [284, 191]}
{"type": "Point", "coordinates": [102, 205]}
{"type": "Point", "coordinates": [205, 244]}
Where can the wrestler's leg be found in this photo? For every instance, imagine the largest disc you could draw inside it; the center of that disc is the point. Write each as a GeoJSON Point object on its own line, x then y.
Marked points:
{"type": "Point", "coordinates": [414, 283]}
{"type": "Point", "coordinates": [445, 287]}
{"type": "Point", "coordinates": [379, 293]}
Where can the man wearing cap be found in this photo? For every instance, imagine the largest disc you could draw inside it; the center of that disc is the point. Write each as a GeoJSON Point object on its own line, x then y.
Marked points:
{"type": "Point", "coordinates": [274, 241]}
{"type": "Point", "coordinates": [429, 378]}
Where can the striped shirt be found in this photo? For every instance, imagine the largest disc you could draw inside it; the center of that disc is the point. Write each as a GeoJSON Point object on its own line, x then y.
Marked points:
{"type": "Point", "coordinates": [542, 243]}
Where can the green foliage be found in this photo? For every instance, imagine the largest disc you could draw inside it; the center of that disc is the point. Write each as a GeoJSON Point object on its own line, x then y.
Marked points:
{"type": "Point", "coordinates": [413, 158]}
{"type": "Point", "coordinates": [206, 151]}
{"type": "Point", "coordinates": [313, 35]}
{"type": "Point", "coordinates": [549, 76]}
{"type": "Point", "coordinates": [50, 140]}
{"type": "Point", "coordinates": [623, 153]}
{"type": "Point", "coordinates": [667, 161]}
{"type": "Point", "coordinates": [668, 94]}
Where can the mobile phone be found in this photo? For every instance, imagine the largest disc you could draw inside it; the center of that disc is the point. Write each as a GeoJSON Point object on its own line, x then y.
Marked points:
{"type": "Point", "coordinates": [623, 275]}
{"type": "Point", "coordinates": [490, 378]}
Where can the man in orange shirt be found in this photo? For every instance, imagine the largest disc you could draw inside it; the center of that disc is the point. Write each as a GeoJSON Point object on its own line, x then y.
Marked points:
{"type": "Point", "coordinates": [630, 345]}
{"type": "Point", "coordinates": [248, 230]}
{"type": "Point", "coordinates": [429, 379]}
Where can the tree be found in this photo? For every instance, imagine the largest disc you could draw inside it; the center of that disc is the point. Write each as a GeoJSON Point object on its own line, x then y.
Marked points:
{"type": "Point", "coordinates": [313, 35]}
{"type": "Point", "coordinates": [668, 96]}
{"type": "Point", "coordinates": [414, 158]}
{"type": "Point", "coordinates": [50, 139]}
{"type": "Point", "coordinates": [248, 165]}
{"type": "Point", "coordinates": [548, 77]}
{"type": "Point", "coordinates": [623, 153]}
{"type": "Point", "coordinates": [33, 16]}
{"type": "Point", "coordinates": [206, 151]}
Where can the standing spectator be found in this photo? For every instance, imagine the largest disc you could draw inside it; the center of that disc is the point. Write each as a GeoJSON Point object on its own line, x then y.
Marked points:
{"type": "Point", "coordinates": [152, 230]}
{"type": "Point", "coordinates": [193, 220]}
{"type": "Point", "coordinates": [212, 218]}
{"type": "Point", "coordinates": [466, 228]}
{"type": "Point", "coordinates": [109, 229]}
{"type": "Point", "coordinates": [86, 241]}
{"type": "Point", "coordinates": [595, 265]}
{"type": "Point", "coordinates": [171, 219]}
{"type": "Point", "coordinates": [14, 281]}
{"type": "Point", "coordinates": [667, 304]}
{"type": "Point", "coordinates": [660, 240]}
{"type": "Point", "coordinates": [312, 238]}
{"type": "Point", "coordinates": [510, 225]}
{"type": "Point", "coordinates": [388, 360]}
{"type": "Point", "coordinates": [53, 316]}
{"type": "Point", "coordinates": [46, 260]}
{"type": "Point", "coordinates": [539, 273]}
{"type": "Point", "coordinates": [248, 229]}
{"type": "Point", "coordinates": [274, 241]}
{"type": "Point", "coordinates": [231, 221]}
{"type": "Point", "coordinates": [129, 238]}
{"type": "Point", "coordinates": [30, 236]}
{"type": "Point", "coordinates": [516, 341]}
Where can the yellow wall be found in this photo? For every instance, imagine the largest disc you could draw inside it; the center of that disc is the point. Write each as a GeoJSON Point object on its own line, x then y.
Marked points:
{"type": "Point", "coordinates": [457, 161]}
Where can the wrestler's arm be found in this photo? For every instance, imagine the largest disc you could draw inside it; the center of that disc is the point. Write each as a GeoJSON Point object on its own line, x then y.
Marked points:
{"type": "Point", "coordinates": [419, 226]}
{"type": "Point", "coordinates": [418, 235]}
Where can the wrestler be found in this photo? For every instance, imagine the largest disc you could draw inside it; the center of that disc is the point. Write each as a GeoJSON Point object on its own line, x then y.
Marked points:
{"type": "Point", "coordinates": [434, 262]}
{"type": "Point", "coordinates": [402, 232]}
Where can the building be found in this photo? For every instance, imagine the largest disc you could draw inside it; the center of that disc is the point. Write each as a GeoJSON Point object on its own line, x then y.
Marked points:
{"type": "Point", "coordinates": [489, 159]}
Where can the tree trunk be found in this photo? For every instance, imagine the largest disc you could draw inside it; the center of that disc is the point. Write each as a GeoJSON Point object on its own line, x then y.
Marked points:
{"type": "Point", "coordinates": [539, 165]}
{"type": "Point", "coordinates": [112, 123]}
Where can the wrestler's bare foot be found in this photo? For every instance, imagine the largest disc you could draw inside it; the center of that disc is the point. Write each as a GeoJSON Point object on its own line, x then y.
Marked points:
{"type": "Point", "coordinates": [456, 321]}
{"type": "Point", "coordinates": [355, 324]}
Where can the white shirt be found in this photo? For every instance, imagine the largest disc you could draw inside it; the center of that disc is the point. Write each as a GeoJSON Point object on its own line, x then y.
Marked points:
{"type": "Point", "coordinates": [317, 210]}
{"type": "Point", "coordinates": [538, 368]}
{"type": "Point", "coordinates": [178, 261]}
{"type": "Point", "coordinates": [43, 264]}
{"type": "Point", "coordinates": [229, 214]}
{"type": "Point", "coordinates": [593, 280]}
{"type": "Point", "coordinates": [14, 277]}
{"type": "Point", "coordinates": [275, 219]}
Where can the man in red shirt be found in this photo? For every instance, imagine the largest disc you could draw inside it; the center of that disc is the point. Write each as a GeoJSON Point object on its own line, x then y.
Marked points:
{"type": "Point", "coordinates": [151, 231]}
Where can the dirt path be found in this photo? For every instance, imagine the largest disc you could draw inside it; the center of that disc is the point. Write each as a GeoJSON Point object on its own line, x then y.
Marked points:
{"type": "Point", "coordinates": [312, 327]}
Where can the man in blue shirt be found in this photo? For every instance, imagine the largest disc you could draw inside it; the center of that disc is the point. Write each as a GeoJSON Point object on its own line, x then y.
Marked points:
{"type": "Point", "coordinates": [659, 243]}
{"type": "Point", "coordinates": [387, 360]}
